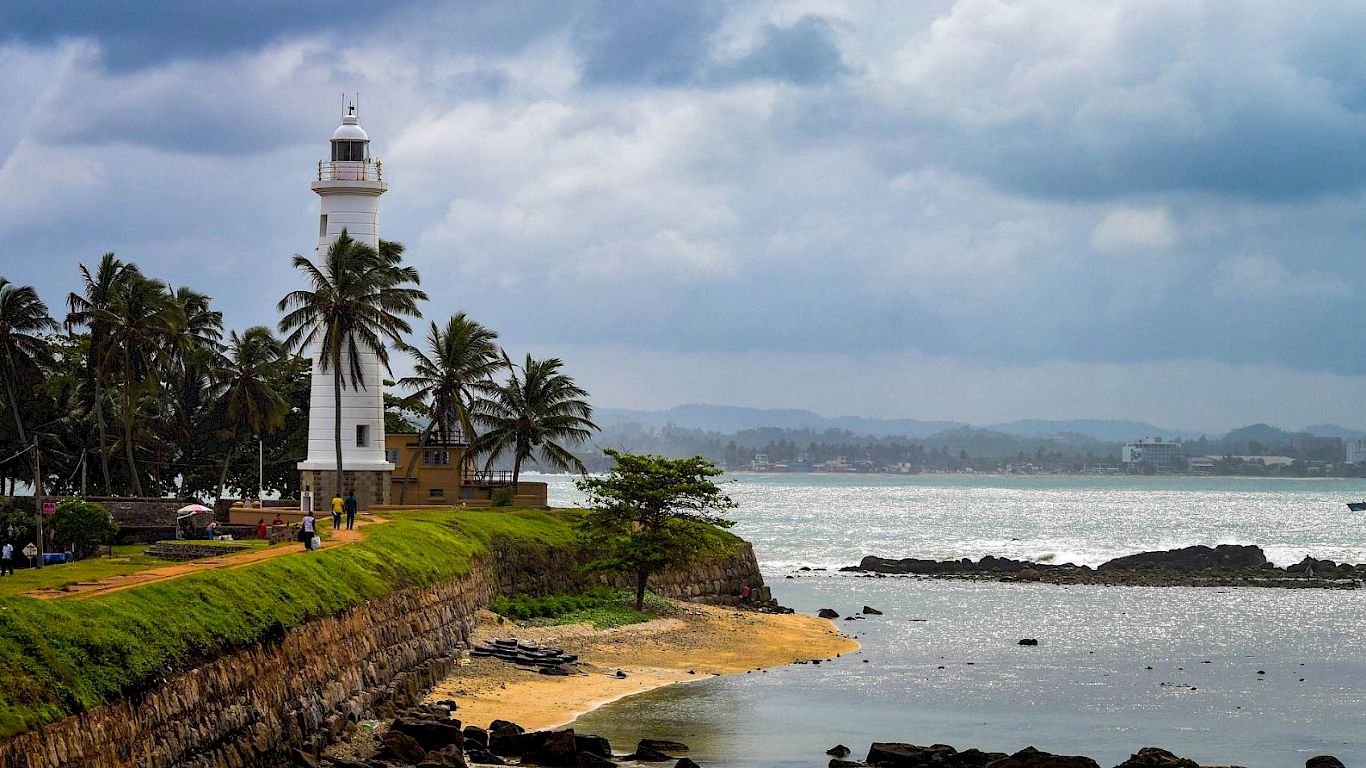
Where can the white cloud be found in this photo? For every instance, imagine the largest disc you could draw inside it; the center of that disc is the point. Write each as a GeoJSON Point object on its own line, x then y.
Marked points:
{"type": "Point", "coordinates": [1134, 229]}
{"type": "Point", "coordinates": [1263, 277]}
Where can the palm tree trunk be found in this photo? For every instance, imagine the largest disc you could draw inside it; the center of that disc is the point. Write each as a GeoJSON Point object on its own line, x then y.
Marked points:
{"type": "Point", "coordinates": [223, 475]}
{"type": "Point", "coordinates": [516, 471]}
{"type": "Point", "coordinates": [412, 460]}
{"type": "Point", "coordinates": [33, 462]}
{"type": "Point", "coordinates": [336, 417]}
{"type": "Point", "coordinates": [104, 440]}
{"type": "Point", "coordinates": [128, 435]}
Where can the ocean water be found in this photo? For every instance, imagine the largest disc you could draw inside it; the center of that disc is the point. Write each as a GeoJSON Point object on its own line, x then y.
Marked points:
{"type": "Point", "coordinates": [1248, 676]}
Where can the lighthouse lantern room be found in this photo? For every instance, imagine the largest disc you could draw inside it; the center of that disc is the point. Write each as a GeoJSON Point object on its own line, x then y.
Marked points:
{"type": "Point", "coordinates": [349, 185]}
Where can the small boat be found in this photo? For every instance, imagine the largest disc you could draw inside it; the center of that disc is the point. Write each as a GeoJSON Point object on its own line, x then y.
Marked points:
{"type": "Point", "coordinates": [1357, 506]}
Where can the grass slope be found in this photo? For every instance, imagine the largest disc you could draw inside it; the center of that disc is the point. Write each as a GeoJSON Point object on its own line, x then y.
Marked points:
{"type": "Point", "coordinates": [61, 657]}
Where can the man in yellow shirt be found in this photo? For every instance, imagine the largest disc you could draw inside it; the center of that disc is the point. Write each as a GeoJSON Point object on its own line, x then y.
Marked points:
{"type": "Point", "coordinates": [336, 512]}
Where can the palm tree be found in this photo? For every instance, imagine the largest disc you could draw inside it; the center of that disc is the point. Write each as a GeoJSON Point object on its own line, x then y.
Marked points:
{"type": "Point", "coordinates": [142, 323]}
{"type": "Point", "coordinates": [91, 310]}
{"type": "Point", "coordinates": [459, 357]}
{"type": "Point", "coordinates": [23, 351]}
{"type": "Point", "coordinates": [250, 402]}
{"type": "Point", "coordinates": [358, 300]}
{"type": "Point", "coordinates": [194, 365]}
{"type": "Point", "coordinates": [536, 407]}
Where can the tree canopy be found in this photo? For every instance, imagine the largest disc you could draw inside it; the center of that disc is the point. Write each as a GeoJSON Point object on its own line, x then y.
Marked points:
{"type": "Point", "coordinates": [650, 513]}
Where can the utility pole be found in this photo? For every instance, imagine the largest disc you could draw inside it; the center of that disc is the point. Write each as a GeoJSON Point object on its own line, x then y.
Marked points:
{"type": "Point", "coordinates": [38, 495]}
{"type": "Point", "coordinates": [260, 471]}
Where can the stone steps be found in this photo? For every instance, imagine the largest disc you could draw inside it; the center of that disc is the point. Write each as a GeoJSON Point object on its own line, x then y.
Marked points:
{"type": "Point", "coordinates": [189, 550]}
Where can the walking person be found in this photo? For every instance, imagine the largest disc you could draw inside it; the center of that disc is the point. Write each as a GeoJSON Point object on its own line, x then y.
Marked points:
{"type": "Point", "coordinates": [337, 504]}
{"type": "Point", "coordinates": [307, 532]}
{"type": "Point", "coordinates": [7, 559]}
{"type": "Point", "coordinates": [351, 505]}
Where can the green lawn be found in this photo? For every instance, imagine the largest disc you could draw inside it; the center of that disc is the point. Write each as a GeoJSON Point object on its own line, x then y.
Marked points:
{"type": "Point", "coordinates": [127, 558]}
{"type": "Point", "coordinates": [58, 657]}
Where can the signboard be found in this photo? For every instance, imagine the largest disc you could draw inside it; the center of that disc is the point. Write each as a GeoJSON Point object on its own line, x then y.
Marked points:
{"type": "Point", "coordinates": [49, 507]}
{"type": "Point", "coordinates": [30, 551]}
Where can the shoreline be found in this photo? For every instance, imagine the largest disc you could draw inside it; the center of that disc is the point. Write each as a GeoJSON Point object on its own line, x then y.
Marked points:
{"type": "Point", "coordinates": [696, 643]}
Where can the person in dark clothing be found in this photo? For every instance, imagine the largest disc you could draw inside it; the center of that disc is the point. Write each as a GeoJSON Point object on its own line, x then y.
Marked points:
{"type": "Point", "coordinates": [350, 505]}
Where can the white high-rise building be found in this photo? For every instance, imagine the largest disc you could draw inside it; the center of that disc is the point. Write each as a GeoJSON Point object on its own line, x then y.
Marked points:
{"type": "Point", "coordinates": [349, 184]}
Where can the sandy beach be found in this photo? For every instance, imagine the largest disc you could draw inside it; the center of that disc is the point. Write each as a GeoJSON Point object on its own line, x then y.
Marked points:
{"type": "Point", "coordinates": [698, 642]}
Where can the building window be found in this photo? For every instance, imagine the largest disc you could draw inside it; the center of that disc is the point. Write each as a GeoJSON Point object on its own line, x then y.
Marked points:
{"type": "Point", "coordinates": [391, 455]}
{"type": "Point", "coordinates": [436, 493]}
{"type": "Point", "coordinates": [322, 225]}
{"type": "Point", "coordinates": [434, 458]}
{"type": "Point", "coordinates": [362, 435]}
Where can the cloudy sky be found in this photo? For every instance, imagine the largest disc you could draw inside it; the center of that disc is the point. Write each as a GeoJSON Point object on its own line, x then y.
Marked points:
{"type": "Point", "coordinates": [977, 210]}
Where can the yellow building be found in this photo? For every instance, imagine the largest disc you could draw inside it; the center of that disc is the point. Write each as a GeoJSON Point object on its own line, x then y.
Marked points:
{"type": "Point", "coordinates": [444, 474]}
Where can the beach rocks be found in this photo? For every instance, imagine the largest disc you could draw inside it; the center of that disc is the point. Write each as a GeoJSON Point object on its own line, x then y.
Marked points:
{"type": "Point", "coordinates": [1192, 558]}
{"type": "Point", "coordinates": [1028, 641]}
{"type": "Point", "coordinates": [556, 748]}
{"type": "Point", "coordinates": [1323, 761]}
{"type": "Point", "coordinates": [867, 611]}
{"type": "Point", "coordinates": [684, 762]}
{"type": "Point", "coordinates": [403, 747]}
{"type": "Point", "coordinates": [839, 750]}
{"type": "Point", "coordinates": [431, 735]}
{"type": "Point", "coordinates": [527, 654]}
{"type": "Point", "coordinates": [899, 755]}
{"type": "Point", "coordinates": [476, 736]}
{"type": "Point", "coordinates": [826, 613]}
{"type": "Point", "coordinates": [661, 745]}
{"type": "Point", "coordinates": [1152, 757]}
{"type": "Point", "coordinates": [1030, 757]}
{"type": "Point", "coordinates": [592, 745]}
{"type": "Point", "coordinates": [1028, 574]}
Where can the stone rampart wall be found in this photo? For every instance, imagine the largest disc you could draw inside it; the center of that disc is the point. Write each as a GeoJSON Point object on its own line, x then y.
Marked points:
{"type": "Point", "coordinates": [298, 690]}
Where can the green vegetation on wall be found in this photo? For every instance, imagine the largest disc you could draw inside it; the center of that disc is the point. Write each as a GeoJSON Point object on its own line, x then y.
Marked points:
{"type": "Point", "coordinates": [58, 657]}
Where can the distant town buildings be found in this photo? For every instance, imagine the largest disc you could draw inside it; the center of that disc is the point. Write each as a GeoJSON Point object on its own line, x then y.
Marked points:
{"type": "Point", "coordinates": [1354, 451]}
{"type": "Point", "coordinates": [1161, 455]}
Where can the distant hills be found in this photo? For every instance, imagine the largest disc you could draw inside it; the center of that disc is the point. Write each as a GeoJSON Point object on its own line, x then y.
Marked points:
{"type": "Point", "coordinates": [727, 419]}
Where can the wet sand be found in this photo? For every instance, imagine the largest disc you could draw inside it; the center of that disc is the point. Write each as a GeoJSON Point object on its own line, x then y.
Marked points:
{"type": "Point", "coordinates": [698, 642]}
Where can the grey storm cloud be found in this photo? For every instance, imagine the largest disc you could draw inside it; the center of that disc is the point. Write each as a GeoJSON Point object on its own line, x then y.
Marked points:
{"type": "Point", "coordinates": [1025, 187]}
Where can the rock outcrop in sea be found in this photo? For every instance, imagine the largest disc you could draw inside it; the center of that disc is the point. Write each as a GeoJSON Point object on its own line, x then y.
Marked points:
{"type": "Point", "coordinates": [1223, 565]}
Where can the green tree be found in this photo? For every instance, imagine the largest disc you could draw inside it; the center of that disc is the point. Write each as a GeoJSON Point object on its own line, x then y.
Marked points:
{"type": "Point", "coordinates": [143, 326]}
{"type": "Point", "coordinates": [23, 352]}
{"type": "Point", "coordinates": [530, 414]}
{"type": "Point", "coordinates": [459, 357]}
{"type": "Point", "coordinates": [84, 525]}
{"type": "Point", "coordinates": [357, 302]}
{"type": "Point", "coordinates": [91, 309]}
{"type": "Point", "coordinates": [250, 403]}
{"type": "Point", "coordinates": [649, 513]}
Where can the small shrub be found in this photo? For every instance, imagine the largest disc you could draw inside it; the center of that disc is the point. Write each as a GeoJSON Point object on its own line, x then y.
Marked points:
{"type": "Point", "coordinates": [503, 497]}
{"type": "Point", "coordinates": [84, 525]}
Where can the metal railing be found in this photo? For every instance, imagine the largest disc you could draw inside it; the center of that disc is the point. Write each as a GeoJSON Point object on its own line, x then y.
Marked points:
{"type": "Point", "coordinates": [350, 170]}
{"type": "Point", "coordinates": [486, 477]}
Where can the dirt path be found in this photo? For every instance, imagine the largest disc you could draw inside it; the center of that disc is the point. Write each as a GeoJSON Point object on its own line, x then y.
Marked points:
{"type": "Point", "coordinates": [83, 590]}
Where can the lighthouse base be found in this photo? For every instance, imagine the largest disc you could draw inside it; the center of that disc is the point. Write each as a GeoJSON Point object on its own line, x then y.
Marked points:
{"type": "Point", "coordinates": [371, 486]}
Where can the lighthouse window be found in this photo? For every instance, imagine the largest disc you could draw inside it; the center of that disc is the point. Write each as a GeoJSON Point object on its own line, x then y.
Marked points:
{"type": "Point", "coordinates": [348, 150]}
{"type": "Point", "coordinates": [322, 225]}
{"type": "Point", "coordinates": [362, 435]}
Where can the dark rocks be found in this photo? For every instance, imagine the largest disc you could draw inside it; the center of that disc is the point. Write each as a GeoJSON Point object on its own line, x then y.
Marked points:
{"type": "Point", "coordinates": [301, 759]}
{"type": "Point", "coordinates": [403, 747]}
{"type": "Point", "coordinates": [661, 745]}
{"type": "Point", "coordinates": [556, 748]}
{"type": "Point", "coordinates": [899, 755]}
{"type": "Point", "coordinates": [1192, 558]}
{"type": "Point", "coordinates": [839, 750]}
{"type": "Point", "coordinates": [1152, 757]}
{"type": "Point", "coordinates": [476, 736]}
{"type": "Point", "coordinates": [649, 756]}
{"type": "Point", "coordinates": [839, 762]}
{"type": "Point", "coordinates": [1028, 574]}
{"type": "Point", "coordinates": [867, 611]}
{"type": "Point", "coordinates": [1028, 641]}
{"type": "Point", "coordinates": [1323, 761]}
{"type": "Point", "coordinates": [826, 613]}
{"type": "Point", "coordinates": [450, 756]}
{"type": "Point", "coordinates": [684, 762]}
{"type": "Point", "coordinates": [507, 740]}
{"type": "Point", "coordinates": [1030, 757]}
{"type": "Point", "coordinates": [588, 760]}
{"type": "Point", "coordinates": [431, 735]}
{"type": "Point", "coordinates": [592, 745]}
{"type": "Point", "coordinates": [483, 757]}
{"type": "Point", "coordinates": [496, 724]}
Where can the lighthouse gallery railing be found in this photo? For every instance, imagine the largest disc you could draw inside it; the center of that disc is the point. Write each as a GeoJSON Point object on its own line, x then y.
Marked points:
{"type": "Point", "coordinates": [350, 170]}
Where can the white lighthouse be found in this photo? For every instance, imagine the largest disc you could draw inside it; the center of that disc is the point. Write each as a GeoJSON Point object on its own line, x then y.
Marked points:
{"type": "Point", "coordinates": [349, 184]}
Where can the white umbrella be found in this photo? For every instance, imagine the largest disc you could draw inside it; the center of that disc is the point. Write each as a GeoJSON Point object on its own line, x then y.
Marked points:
{"type": "Point", "coordinates": [193, 508]}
